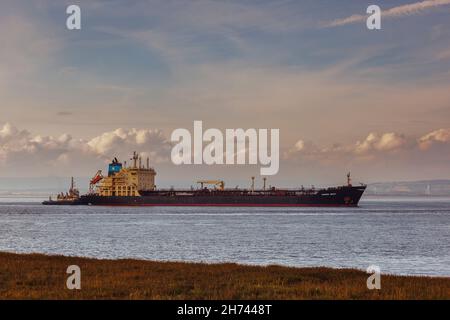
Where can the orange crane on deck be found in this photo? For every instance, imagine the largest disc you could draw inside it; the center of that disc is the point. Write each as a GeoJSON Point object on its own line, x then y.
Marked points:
{"type": "Point", "coordinates": [96, 179]}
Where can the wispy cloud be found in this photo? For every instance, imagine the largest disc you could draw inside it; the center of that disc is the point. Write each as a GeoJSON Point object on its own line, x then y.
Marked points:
{"type": "Point", "coordinates": [443, 55]}
{"type": "Point", "coordinates": [399, 11]}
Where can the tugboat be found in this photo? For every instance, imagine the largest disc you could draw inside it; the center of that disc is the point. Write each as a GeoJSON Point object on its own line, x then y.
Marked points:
{"type": "Point", "coordinates": [69, 198]}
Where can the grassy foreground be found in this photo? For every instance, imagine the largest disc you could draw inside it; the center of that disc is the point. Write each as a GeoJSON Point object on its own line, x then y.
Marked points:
{"type": "Point", "coordinates": [35, 276]}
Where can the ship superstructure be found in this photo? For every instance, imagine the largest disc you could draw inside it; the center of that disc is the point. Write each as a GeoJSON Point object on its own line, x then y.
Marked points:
{"type": "Point", "coordinates": [124, 181]}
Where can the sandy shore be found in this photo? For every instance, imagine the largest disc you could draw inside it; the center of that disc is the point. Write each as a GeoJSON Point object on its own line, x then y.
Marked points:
{"type": "Point", "coordinates": [36, 276]}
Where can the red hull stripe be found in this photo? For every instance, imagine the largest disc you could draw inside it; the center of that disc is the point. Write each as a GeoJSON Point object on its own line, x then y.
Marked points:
{"type": "Point", "coordinates": [225, 205]}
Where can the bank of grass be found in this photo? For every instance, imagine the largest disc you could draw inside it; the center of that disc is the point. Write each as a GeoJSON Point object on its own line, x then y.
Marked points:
{"type": "Point", "coordinates": [36, 276]}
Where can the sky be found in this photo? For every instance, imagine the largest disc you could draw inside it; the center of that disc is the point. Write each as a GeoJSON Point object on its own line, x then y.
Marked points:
{"type": "Point", "coordinates": [345, 98]}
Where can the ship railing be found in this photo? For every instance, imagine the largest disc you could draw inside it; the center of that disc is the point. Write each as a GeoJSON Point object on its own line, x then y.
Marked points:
{"type": "Point", "coordinates": [298, 189]}
{"type": "Point", "coordinates": [247, 192]}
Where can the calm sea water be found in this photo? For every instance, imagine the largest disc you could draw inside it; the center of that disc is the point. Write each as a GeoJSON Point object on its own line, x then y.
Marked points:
{"type": "Point", "coordinates": [401, 236]}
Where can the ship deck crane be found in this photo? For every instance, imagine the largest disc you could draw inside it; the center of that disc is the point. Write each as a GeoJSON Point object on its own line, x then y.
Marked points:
{"type": "Point", "coordinates": [96, 179]}
{"type": "Point", "coordinates": [218, 183]}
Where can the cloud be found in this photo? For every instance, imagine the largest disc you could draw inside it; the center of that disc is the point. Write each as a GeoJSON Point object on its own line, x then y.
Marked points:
{"type": "Point", "coordinates": [385, 142]}
{"type": "Point", "coordinates": [375, 146]}
{"type": "Point", "coordinates": [9, 133]}
{"type": "Point", "coordinates": [437, 137]}
{"type": "Point", "coordinates": [373, 143]}
{"type": "Point", "coordinates": [41, 155]}
{"type": "Point", "coordinates": [443, 55]}
{"type": "Point", "coordinates": [388, 155]}
{"type": "Point", "coordinates": [307, 153]}
{"type": "Point", "coordinates": [395, 12]}
{"type": "Point", "coordinates": [21, 152]}
{"type": "Point", "coordinates": [150, 142]}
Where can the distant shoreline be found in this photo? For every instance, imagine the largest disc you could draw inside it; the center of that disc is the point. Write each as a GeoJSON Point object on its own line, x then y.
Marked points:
{"type": "Point", "coordinates": [39, 276]}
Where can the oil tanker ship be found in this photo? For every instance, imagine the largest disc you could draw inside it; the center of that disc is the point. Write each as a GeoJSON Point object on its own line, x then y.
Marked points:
{"type": "Point", "coordinates": [135, 186]}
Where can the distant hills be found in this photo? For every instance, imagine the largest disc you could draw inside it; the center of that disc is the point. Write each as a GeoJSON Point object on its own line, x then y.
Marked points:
{"type": "Point", "coordinates": [410, 188]}
{"type": "Point", "coordinates": [39, 186]}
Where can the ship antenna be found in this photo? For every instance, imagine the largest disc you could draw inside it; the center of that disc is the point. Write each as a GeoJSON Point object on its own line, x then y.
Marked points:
{"type": "Point", "coordinates": [135, 158]}
{"type": "Point", "coordinates": [349, 180]}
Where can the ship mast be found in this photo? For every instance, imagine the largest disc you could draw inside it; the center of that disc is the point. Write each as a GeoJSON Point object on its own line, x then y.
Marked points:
{"type": "Point", "coordinates": [135, 159]}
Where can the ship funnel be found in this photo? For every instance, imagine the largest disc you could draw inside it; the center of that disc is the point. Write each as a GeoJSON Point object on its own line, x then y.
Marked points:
{"type": "Point", "coordinates": [114, 167]}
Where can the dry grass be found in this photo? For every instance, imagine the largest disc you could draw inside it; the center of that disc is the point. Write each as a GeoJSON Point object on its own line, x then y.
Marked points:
{"type": "Point", "coordinates": [35, 276]}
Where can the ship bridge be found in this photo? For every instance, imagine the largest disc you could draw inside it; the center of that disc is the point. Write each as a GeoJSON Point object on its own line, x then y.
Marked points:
{"type": "Point", "coordinates": [127, 181]}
